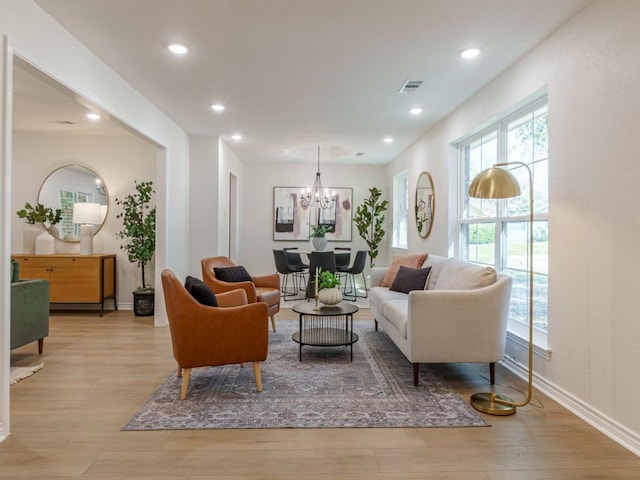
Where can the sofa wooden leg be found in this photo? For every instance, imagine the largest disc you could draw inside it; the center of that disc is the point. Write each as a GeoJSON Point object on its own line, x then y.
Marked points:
{"type": "Point", "coordinates": [492, 372]}
{"type": "Point", "coordinates": [273, 322]}
{"type": "Point", "coordinates": [376, 324]}
{"type": "Point", "coordinates": [40, 346]}
{"type": "Point", "coordinates": [416, 373]}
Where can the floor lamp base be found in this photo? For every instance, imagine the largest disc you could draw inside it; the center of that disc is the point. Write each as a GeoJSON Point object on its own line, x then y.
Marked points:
{"type": "Point", "coordinates": [493, 404]}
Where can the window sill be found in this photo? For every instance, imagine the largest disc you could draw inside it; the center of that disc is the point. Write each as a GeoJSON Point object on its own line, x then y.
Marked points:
{"type": "Point", "coordinates": [540, 346]}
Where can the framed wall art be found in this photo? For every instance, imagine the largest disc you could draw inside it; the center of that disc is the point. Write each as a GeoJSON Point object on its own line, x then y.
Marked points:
{"type": "Point", "coordinates": [292, 221]}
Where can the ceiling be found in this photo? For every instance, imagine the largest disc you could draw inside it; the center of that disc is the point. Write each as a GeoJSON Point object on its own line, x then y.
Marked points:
{"type": "Point", "coordinates": [294, 74]}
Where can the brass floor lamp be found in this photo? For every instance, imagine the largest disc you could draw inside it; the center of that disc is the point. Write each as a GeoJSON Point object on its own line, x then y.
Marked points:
{"type": "Point", "coordinates": [499, 183]}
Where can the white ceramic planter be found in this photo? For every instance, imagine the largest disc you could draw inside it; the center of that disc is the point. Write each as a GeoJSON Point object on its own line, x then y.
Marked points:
{"type": "Point", "coordinates": [330, 296]}
{"type": "Point", "coordinates": [319, 243]}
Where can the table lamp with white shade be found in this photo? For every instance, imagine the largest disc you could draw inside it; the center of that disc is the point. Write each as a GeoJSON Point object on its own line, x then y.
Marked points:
{"type": "Point", "coordinates": [87, 215]}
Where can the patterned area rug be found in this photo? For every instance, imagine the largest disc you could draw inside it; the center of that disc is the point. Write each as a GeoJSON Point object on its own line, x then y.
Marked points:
{"type": "Point", "coordinates": [324, 390]}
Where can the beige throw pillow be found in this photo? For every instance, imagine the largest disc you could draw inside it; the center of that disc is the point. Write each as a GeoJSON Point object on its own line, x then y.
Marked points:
{"type": "Point", "coordinates": [412, 261]}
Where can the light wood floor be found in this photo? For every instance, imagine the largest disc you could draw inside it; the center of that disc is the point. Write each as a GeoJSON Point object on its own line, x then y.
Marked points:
{"type": "Point", "coordinates": [66, 422]}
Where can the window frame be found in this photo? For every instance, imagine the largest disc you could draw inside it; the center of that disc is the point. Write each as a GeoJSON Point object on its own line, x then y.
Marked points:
{"type": "Point", "coordinates": [501, 218]}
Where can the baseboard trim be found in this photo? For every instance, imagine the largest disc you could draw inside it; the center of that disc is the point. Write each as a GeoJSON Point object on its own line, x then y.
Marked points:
{"type": "Point", "coordinates": [604, 424]}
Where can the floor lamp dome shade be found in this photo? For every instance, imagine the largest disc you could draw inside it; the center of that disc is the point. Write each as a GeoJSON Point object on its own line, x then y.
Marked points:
{"type": "Point", "coordinates": [494, 182]}
{"type": "Point", "coordinates": [499, 183]}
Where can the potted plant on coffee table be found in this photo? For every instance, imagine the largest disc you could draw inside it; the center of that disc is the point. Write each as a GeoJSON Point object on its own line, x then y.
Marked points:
{"type": "Point", "coordinates": [328, 292]}
{"type": "Point", "coordinates": [139, 234]}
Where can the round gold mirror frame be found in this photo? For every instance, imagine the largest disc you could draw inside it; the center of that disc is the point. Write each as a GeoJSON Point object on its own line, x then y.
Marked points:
{"type": "Point", "coordinates": [67, 185]}
{"type": "Point", "coordinates": [425, 204]}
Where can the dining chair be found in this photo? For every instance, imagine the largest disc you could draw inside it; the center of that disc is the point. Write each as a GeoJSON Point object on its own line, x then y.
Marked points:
{"type": "Point", "coordinates": [343, 258]}
{"type": "Point", "coordinates": [286, 270]}
{"type": "Point", "coordinates": [323, 260]}
{"type": "Point", "coordinates": [357, 268]}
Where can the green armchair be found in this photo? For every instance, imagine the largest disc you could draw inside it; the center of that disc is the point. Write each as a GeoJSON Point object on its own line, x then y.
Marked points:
{"type": "Point", "coordinates": [29, 310]}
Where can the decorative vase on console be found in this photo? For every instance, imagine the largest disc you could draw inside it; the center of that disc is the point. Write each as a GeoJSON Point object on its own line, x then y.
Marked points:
{"type": "Point", "coordinates": [29, 235]}
{"type": "Point", "coordinates": [45, 243]}
{"type": "Point", "coordinates": [38, 218]}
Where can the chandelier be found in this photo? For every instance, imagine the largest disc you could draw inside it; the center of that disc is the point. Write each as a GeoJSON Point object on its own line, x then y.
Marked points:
{"type": "Point", "coordinates": [317, 195]}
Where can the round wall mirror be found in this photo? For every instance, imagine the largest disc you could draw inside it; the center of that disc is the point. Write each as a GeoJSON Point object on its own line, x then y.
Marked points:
{"type": "Point", "coordinates": [425, 204]}
{"type": "Point", "coordinates": [70, 185]}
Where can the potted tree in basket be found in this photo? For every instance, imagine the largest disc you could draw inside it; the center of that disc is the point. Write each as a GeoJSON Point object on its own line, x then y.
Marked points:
{"type": "Point", "coordinates": [369, 219]}
{"type": "Point", "coordinates": [139, 234]}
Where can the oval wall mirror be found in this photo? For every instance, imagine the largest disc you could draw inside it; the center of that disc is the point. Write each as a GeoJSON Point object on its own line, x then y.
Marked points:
{"type": "Point", "coordinates": [425, 204]}
{"type": "Point", "coordinates": [67, 186]}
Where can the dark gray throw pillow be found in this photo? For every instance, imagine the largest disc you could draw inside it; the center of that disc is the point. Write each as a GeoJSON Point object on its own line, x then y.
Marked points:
{"type": "Point", "coordinates": [408, 279]}
{"type": "Point", "coordinates": [200, 291]}
{"type": "Point", "coordinates": [232, 274]}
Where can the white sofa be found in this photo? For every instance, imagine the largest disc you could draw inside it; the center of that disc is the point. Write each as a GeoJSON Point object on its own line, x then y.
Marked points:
{"type": "Point", "coordinates": [460, 317]}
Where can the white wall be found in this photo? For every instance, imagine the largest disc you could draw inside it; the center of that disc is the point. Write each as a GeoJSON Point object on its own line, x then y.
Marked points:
{"type": "Point", "coordinates": [36, 38]}
{"type": "Point", "coordinates": [230, 164]}
{"type": "Point", "coordinates": [257, 216]}
{"type": "Point", "coordinates": [118, 160]}
{"type": "Point", "coordinates": [203, 201]}
{"type": "Point", "coordinates": [590, 68]}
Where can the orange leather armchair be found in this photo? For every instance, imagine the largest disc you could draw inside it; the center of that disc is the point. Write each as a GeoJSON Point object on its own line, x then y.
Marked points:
{"type": "Point", "coordinates": [209, 336]}
{"type": "Point", "coordinates": [263, 288]}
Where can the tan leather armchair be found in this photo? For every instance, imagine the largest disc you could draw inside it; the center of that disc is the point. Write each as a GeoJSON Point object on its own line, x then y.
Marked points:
{"type": "Point", "coordinates": [263, 288]}
{"type": "Point", "coordinates": [210, 336]}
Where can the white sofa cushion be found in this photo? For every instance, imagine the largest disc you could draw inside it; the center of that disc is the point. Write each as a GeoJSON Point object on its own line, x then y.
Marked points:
{"type": "Point", "coordinates": [396, 312]}
{"type": "Point", "coordinates": [437, 263]}
{"type": "Point", "coordinates": [458, 275]}
{"type": "Point", "coordinates": [379, 295]}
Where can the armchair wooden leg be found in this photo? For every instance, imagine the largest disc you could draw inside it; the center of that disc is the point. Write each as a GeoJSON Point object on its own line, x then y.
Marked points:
{"type": "Point", "coordinates": [185, 383]}
{"type": "Point", "coordinates": [273, 322]}
{"type": "Point", "coordinates": [256, 372]}
{"type": "Point", "coordinates": [416, 373]}
{"type": "Point", "coordinates": [40, 346]}
{"type": "Point", "coordinates": [179, 372]}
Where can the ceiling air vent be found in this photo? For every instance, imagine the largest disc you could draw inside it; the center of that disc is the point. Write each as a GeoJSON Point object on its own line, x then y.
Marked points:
{"type": "Point", "coordinates": [61, 122]}
{"type": "Point", "coordinates": [410, 86]}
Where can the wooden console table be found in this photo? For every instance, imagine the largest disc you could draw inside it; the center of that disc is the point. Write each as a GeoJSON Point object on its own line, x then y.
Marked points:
{"type": "Point", "coordinates": [73, 278]}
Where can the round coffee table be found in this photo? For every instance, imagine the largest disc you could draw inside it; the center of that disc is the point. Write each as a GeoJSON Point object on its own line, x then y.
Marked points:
{"type": "Point", "coordinates": [326, 326]}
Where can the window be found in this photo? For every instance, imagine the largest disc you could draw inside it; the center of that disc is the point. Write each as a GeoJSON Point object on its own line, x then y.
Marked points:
{"type": "Point", "coordinates": [495, 232]}
{"type": "Point", "coordinates": [67, 199]}
{"type": "Point", "coordinates": [400, 210]}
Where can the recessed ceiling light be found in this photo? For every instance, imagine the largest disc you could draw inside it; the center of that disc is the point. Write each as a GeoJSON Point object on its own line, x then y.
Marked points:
{"type": "Point", "coordinates": [415, 111]}
{"type": "Point", "coordinates": [470, 53]}
{"type": "Point", "coordinates": [236, 136]}
{"type": "Point", "coordinates": [217, 107]}
{"type": "Point", "coordinates": [93, 116]}
{"type": "Point", "coordinates": [178, 49]}
{"type": "Point", "coordinates": [387, 140]}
